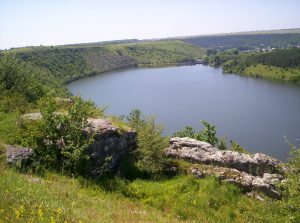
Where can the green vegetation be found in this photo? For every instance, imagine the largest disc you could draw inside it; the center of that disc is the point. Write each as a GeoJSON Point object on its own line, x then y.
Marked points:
{"type": "Point", "coordinates": [237, 148]}
{"type": "Point", "coordinates": [159, 53]}
{"type": "Point", "coordinates": [26, 197]}
{"type": "Point", "coordinates": [142, 190]}
{"type": "Point", "coordinates": [57, 139]}
{"type": "Point", "coordinates": [55, 198]}
{"type": "Point", "coordinates": [272, 72]}
{"type": "Point", "coordinates": [193, 200]}
{"type": "Point", "coordinates": [246, 41]}
{"type": "Point", "coordinates": [8, 127]}
{"type": "Point", "coordinates": [208, 134]}
{"type": "Point", "coordinates": [279, 64]}
{"type": "Point", "coordinates": [149, 156]}
{"type": "Point", "coordinates": [67, 63]}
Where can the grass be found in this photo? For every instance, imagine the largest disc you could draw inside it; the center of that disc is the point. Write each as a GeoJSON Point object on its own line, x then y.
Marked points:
{"type": "Point", "coordinates": [191, 199]}
{"type": "Point", "coordinates": [272, 72]}
{"type": "Point", "coordinates": [116, 121]}
{"type": "Point", "coordinates": [54, 198]}
{"type": "Point", "coordinates": [8, 126]}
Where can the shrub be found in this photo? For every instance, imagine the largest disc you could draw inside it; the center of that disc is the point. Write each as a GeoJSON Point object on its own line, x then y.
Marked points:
{"type": "Point", "coordinates": [208, 134]}
{"type": "Point", "coordinates": [58, 138]}
{"type": "Point", "coordinates": [188, 131]}
{"type": "Point", "coordinates": [18, 77]}
{"type": "Point", "coordinates": [237, 148]}
{"type": "Point", "coordinates": [291, 188]}
{"type": "Point", "coordinates": [14, 102]}
{"type": "Point", "coordinates": [150, 143]}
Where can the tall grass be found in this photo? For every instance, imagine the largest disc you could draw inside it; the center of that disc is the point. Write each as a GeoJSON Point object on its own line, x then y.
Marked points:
{"type": "Point", "coordinates": [55, 198]}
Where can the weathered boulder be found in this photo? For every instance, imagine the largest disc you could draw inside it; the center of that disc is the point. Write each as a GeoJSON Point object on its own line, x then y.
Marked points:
{"type": "Point", "coordinates": [257, 172]}
{"type": "Point", "coordinates": [32, 116]}
{"type": "Point", "coordinates": [110, 145]}
{"type": "Point", "coordinates": [17, 155]}
{"type": "Point", "coordinates": [265, 184]}
{"type": "Point", "coordinates": [201, 152]}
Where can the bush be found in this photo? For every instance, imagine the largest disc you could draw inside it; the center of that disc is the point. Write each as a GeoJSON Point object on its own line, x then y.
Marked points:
{"type": "Point", "coordinates": [208, 134]}
{"type": "Point", "coordinates": [14, 102]}
{"type": "Point", "coordinates": [237, 148]}
{"type": "Point", "coordinates": [291, 188]}
{"type": "Point", "coordinates": [58, 139]}
{"type": "Point", "coordinates": [16, 77]}
{"type": "Point", "coordinates": [150, 144]}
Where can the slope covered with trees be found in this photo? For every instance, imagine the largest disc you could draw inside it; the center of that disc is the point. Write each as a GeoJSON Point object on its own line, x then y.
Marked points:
{"type": "Point", "coordinates": [246, 41]}
{"type": "Point", "coordinates": [68, 63]}
{"type": "Point", "coordinates": [278, 64]}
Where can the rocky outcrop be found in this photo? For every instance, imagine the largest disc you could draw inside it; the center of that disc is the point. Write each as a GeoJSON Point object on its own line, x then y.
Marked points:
{"type": "Point", "coordinates": [110, 143]}
{"type": "Point", "coordinates": [202, 152]}
{"type": "Point", "coordinates": [266, 183]}
{"type": "Point", "coordinates": [257, 172]}
{"type": "Point", "coordinates": [17, 155]}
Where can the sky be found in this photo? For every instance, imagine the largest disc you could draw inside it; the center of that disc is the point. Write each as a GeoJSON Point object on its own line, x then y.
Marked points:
{"type": "Point", "coordinates": [56, 22]}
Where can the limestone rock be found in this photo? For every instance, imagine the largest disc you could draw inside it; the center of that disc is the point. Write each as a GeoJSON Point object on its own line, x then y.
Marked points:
{"type": "Point", "coordinates": [17, 155]}
{"type": "Point", "coordinates": [202, 152]}
{"type": "Point", "coordinates": [244, 180]}
{"type": "Point", "coordinates": [257, 172]}
{"type": "Point", "coordinates": [110, 145]}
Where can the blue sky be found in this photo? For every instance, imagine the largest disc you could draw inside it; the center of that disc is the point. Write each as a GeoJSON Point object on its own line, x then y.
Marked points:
{"type": "Point", "coordinates": [53, 22]}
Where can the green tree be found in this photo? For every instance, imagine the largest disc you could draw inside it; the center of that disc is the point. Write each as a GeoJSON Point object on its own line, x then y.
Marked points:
{"type": "Point", "coordinates": [188, 131]}
{"type": "Point", "coordinates": [150, 143]}
{"type": "Point", "coordinates": [136, 119]}
{"type": "Point", "coordinates": [18, 78]}
{"type": "Point", "coordinates": [208, 134]}
{"type": "Point", "coordinates": [60, 140]}
{"type": "Point", "coordinates": [11, 73]}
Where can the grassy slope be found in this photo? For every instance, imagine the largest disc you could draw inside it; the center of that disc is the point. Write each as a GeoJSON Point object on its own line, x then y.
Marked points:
{"type": "Point", "coordinates": [8, 126]}
{"type": "Point", "coordinates": [67, 63]}
{"type": "Point", "coordinates": [61, 199]}
{"type": "Point", "coordinates": [159, 53]}
{"type": "Point", "coordinates": [25, 197]}
{"type": "Point", "coordinates": [272, 72]}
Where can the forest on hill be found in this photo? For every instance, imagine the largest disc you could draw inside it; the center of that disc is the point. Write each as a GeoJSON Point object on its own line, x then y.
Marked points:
{"type": "Point", "coordinates": [246, 41]}
{"type": "Point", "coordinates": [278, 64]}
{"type": "Point", "coordinates": [70, 62]}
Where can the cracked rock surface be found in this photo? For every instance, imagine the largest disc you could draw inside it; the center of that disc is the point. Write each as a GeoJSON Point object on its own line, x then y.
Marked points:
{"type": "Point", "coordinates": [252, 172]}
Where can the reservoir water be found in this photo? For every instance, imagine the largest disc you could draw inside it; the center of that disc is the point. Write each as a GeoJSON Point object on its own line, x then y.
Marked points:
{"type": "Point", "coordinates": [256, 113]}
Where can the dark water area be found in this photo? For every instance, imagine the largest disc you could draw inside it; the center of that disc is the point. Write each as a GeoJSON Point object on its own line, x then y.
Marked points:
{"type": "Point", "coordinates": [256, 113]}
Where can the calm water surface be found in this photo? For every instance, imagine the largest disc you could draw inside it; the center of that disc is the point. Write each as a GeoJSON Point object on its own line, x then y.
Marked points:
{"type": "Point", "coordinates": [256, 113]}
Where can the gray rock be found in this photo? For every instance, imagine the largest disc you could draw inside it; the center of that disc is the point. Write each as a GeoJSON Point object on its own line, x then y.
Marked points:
{"type": "Point", "coordinates": [17, 155]}
{"type": "Point", "coordinates": [244, 180]}
{"type": "Point", "coordinates": [32, 116]}
{"type": "Point", "coordinates": [110, 145]}
{"type": "Point", "coordinates": [202, 152]}
{"type": "Point", "coordinates": [256, 172]}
